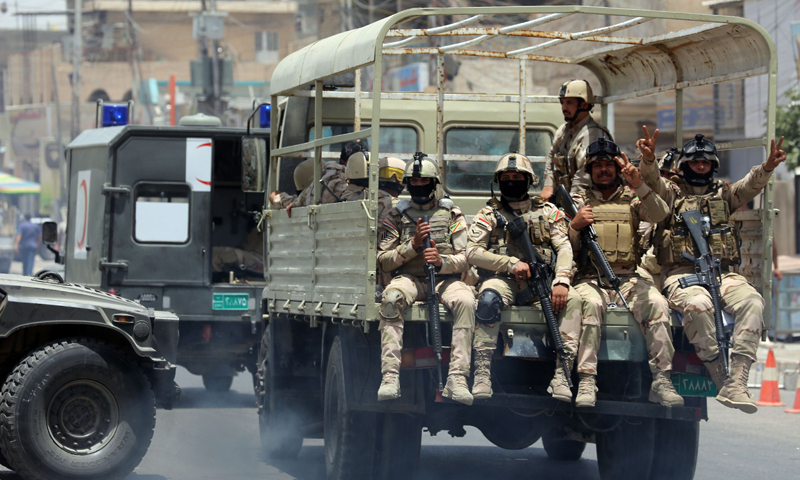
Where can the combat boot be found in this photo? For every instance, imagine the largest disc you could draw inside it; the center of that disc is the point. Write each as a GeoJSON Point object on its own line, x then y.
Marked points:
{"type": "Point", "coordinates": [482, 381]}
{"type": "Point", "coordinates": [587, 390]}
{"type": "Point", "coordinates": [662, 391]}
{"type": "Point", "coordinates": [734, 393]}
{"type": "Point", "coordinates": [559, 385]}
{"type": "Point", "coordinates": [390, 387]}
{"type": "Point", "coordinates": [457, 389]}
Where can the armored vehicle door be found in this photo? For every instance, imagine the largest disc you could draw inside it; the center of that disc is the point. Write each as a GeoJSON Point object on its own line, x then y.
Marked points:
{"type": "Point", "coordinates": [160, 193]}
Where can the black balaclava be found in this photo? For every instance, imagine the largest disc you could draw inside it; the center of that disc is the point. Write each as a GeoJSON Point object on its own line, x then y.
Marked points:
{"type": "Point", "coordinates": [513, 190]}
{"type": "Point", "coordinates": [694, 178]}
{"type": "Point", "coordinates": [422, 194]}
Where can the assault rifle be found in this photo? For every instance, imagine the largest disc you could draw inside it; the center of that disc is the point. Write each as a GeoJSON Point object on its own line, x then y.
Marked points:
{"type": "Point", "coordinates": [335, 197]}
{"type": "Point", "coordinates": [434, 322]}
{"type": "Point", "coordinates": [539, 281]}
{"type": "Point", "coordinates": [708, 274]}
{"type": "Point", "coordinates": [589, 240]}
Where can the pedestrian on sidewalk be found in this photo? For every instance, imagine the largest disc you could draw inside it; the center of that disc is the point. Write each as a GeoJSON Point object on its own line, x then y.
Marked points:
{"type": "Point", "coordinates": [29, 236]}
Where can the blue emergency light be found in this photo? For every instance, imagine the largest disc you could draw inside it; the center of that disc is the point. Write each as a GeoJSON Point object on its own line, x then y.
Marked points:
{"type": "Point", "coordinates": [114, 115]}
{"type": "Point", "coordinates": [263, 115]}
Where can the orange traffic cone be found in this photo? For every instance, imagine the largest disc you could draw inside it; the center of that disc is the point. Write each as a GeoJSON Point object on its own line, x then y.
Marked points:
{"type": "Point", "coordinates": [796, 408]}
{"type": "Point", "coordinates": [770, 396]}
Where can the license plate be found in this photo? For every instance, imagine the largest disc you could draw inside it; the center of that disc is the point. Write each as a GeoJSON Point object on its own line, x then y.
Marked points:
{"type": "Point", "coordinates": [231, 301]}
{"type": "Point", "coordinates": [688, 385]}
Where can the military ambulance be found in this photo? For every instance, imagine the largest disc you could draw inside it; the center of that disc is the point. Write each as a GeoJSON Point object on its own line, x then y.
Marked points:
{"type": "Point", "coordinates": [319, 362]}
{"type": "Point", "coordinates": [157, 215]}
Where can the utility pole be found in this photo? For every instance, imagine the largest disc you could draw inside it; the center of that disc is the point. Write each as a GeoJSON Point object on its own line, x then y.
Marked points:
{"type": "Point", "coordinates": [77, 57]}
{"type": "Point", "coordinates": [209, 28]}
{"type": "Point", "coordinates": [215, 74]}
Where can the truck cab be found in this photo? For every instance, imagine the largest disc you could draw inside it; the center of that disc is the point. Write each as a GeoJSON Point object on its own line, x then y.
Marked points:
{"type": "Point", "coordinates": [158, 215]}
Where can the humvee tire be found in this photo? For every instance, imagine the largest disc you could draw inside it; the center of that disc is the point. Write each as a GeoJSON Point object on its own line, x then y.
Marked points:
{"type": "Point", "coordinates": [99, 412]}
{"type": "Point", "coordinates": [562, 450]}
{"type": "Point", "coordinates": [626, 451]}
{"type": "Point", "coordinates": [676, 448]}
{"type": "Point", "coordinates": [349, 434]}
{"type": "Point", "coordinates": [279, 430]}
{"type": "Point", "coordinates": [398, 446]}
{"type": "Point", "coordinates": [217, 384]}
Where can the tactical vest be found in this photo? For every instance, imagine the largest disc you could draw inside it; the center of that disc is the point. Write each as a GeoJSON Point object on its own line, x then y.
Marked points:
{"type": "Point", "coordinates": [565, 166]}
{"type": "Point", "coordinates": [538, 230]}
{"type": "Point", "coordinates": [440, 220]}
{"type": "Point", "coordinates": [673, 237]}
{"type": "Point", "coordinates": [616, 233]}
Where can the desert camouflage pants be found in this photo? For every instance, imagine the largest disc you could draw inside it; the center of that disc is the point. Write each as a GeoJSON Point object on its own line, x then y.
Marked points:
{"type": "Point", "coordinates": [455, 295]}
{"type": "Point", "coordinates": [739, 298]}
{"type": "Point", "coordinates": [649, 308]}
{"type": "Point", "coordinates": [569, 319]}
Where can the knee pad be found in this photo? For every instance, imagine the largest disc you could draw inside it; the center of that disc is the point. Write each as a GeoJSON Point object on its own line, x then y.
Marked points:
{"type": "Point", "coordinates": [490, 304]}
{"type": "Point", "coordinates": [393, 304]}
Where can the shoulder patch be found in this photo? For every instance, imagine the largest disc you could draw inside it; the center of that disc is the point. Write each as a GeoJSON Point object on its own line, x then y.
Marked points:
{"type": "Point", "coordinates": [483, 223]}
{"type": "Point", "coordinates": [557, 215]}
{"type": "Point", "coordinates": [458, 226]}
{"type": "Point", "coordinates": [390, 228]}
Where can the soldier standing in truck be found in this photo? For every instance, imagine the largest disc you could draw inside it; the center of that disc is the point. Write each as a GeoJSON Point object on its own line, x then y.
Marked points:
{"type": "Point", "coordinates": [401, 252]}
{"type": "Point", "coordinates": [616, 211]}
{"type": "Point", "coordinates": [568, 155]}
{"type": "Point", "coordinates": [505, 270]}
{"type": "Point", "coordinates": [695, 189]}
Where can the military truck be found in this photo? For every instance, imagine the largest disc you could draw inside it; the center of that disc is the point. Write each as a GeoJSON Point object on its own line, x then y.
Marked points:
{"type": "Point", "coordinates": [319, 362]}
{"type": "Point", "coordinates": [157, 215]}
{"type": "Point", "coordinates": [82, 372]}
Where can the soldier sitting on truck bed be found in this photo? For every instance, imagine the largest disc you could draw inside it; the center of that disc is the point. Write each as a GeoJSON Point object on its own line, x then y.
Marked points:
{"type": "Point", "coordinates": [694, 188]}
{"type": "Point", "coordinates": [616, 210]}
{"type": "Point", "coordinates": [504, 270]}
{"type": "Point", "coordinates": [568, 154]}
{"type": "Point", "coordinates": [390, 181]}
{"type": "Point", "coordinates": [401, 252]}
{"type": "Point", "coordinates": [303, 176]}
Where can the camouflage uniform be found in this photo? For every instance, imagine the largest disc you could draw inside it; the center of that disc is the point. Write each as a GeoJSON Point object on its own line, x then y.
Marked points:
{"type": "Point", "coordinates": [739, 298]}
{"type": "Point", "coordinates": [333, 176]}
{"type": "Point", "coordinates": [567, 157]}
{"type": "Point", "coordinates": [283, 200]}
{"type": "Point", "coordinates": [495, 255]}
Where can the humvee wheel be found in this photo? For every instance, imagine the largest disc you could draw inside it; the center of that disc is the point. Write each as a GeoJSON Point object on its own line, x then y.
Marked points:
{"type": "Point", "coordinates": [626, 451]}
{"type": "Point", "coordinates": [562, 450]}
{"type": "Point", "coordinates": [217, 384]}
{"type": "Point", "coordinates": [349, 434]}
{"type": "Point", "coordinates": [398, 446]}
{"type": "Point", "coordinates": [676, 443]}
{"type": "Point", "coordinates": [278, 428]}
{"type": "Point", "coordinates": [76, 408]}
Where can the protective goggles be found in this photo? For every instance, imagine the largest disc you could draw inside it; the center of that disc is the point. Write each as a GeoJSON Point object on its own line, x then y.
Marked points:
{"type": "Point", "coordinates": [602, 147]}
{"type": "Point", "coordinates": [700, 147]}
{"type": "Point", "coordinates": [389, 172]}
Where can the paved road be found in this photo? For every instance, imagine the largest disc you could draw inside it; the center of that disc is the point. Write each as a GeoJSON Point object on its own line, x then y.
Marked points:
{"type": "Point", "coordinates": [210, 436]}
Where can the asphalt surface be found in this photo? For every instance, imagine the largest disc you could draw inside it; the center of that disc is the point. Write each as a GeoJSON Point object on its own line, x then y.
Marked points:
{"type": "Point", "coordinates": [215, 436]}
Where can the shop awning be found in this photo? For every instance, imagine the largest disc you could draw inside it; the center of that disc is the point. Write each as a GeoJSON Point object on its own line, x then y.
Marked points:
{"type": "Point", "coordinates": [11, 185]}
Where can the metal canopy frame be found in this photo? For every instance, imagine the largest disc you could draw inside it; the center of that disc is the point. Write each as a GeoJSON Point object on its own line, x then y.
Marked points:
{"type": "Point", "coordinates": [721, 49]}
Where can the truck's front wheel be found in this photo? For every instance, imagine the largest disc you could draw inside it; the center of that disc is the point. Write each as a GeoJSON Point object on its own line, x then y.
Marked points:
{"type": "Point", "coordinates": [78, 409]}
{"type": "Point", "coordinates": [349, 434]}
{"type": "Point", "coordinates": [560, 449]}
{"type": "Point", "coordinates": [676, 446]}
{"type": "Point", "coordinates": [626, 451]}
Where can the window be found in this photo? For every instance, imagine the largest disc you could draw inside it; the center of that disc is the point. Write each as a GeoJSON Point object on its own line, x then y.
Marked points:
{"type": "Point", "coordinates": [394, 139]}
{"type": "Point", "coordinates": [267, 47]}
{"type": "Point", "coordinates": [161, 213]}
{"type": "Point", "coordinates": [476, 176]}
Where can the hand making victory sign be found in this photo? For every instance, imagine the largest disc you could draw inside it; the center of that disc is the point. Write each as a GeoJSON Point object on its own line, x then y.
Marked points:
{"type": "Point", "coordinates": [776, 156]}
{"type": "Point", "coordinates": [629, 171]}
{"type": "Point", "coordinates": [647, 145]}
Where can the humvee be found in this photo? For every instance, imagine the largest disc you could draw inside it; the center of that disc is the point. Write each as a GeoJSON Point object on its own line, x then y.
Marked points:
{"type": "Point", "coordinates": [319, 362]}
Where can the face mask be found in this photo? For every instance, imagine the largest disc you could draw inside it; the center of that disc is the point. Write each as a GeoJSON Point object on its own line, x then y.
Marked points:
{"type": "Point", "coordinates": [421, 194]}
{"type": "Point", "coordinates": [694, 178]}
{"type": "Point", "coordinates": [514, 190]}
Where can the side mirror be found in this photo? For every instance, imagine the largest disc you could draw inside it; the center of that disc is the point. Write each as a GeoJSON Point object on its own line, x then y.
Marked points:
{"type": "Point", "coordinates": [49, 233]}
{"type": "Point", "coordinates": [254, 164]}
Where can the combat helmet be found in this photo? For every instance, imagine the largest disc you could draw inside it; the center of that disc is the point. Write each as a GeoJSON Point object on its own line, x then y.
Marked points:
{"type": "Point", "coordinates": [600, 148]}
{"type": "Point", "coordinates": [357, 166]}
{"type": "Point", "coordinates": [578, 88]}
{"type": "Point", "coordinates": [422, 166]}
{"type": "Point", "coordinates": [304, 174]}
{"type": "Point", "coordinates": [667, 162]}
{"type": "Point", "coordinates": [390, 174]}
{"type": "Point", "coordinates": [514, 162]}
{"type": "Point", "coordinates": [697, 148]}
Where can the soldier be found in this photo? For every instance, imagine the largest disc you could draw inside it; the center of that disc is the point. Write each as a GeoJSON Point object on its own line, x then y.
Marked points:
{"type": "Point", "coordinates": [390, 181]}
{"type": "Point", "coordinates": [401, 252]}
{"type": "Point", "coordinates": [616, 211]}
{"type": "Point", "coordinates": [497, 255]}
{"type": "Point", "coordinates": [568, 155]}
{"type": "Point", "coordinates": [694, 188]}
{"type": "Point", "coordinates": [303, 176]}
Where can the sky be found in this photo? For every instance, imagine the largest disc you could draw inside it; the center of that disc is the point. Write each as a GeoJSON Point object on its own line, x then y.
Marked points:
{"type": "Point", "coordinates": [9, 21]}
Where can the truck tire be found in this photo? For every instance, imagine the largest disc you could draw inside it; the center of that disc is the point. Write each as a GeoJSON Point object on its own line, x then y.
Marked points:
{"type": "Point", "coordinates": [676, 444]}
{"type": "Point", "coordinates": [97, 412]}
{"type": "Point", "coordinates": [399, 444]}
{"type": "Point", "coordinates": [627, 451]}
{"type": "Point", "coordinates": [349, 435]}
{"type": "Point", "coordinates": [217, 384]}
{"type": "Point", "coordinates": [279, 431]}
{"type": "Point", "coordinates": [562, 450]}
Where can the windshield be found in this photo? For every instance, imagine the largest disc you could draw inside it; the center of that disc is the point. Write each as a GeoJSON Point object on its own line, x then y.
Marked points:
{"type": "Point", "coordinates": [476, 176]}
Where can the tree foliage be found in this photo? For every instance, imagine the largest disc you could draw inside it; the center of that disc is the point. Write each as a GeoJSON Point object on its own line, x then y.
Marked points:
{"type": "Point", "coordinates": [787, 119]}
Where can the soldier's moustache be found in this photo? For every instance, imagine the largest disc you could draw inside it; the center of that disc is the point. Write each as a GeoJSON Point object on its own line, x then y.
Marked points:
{"type": "Point", "coordinates": [513, 190]}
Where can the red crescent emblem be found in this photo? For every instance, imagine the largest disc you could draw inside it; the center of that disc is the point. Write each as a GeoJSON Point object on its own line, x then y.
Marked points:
{"type": "Point", "coordinates": [82, 241]}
